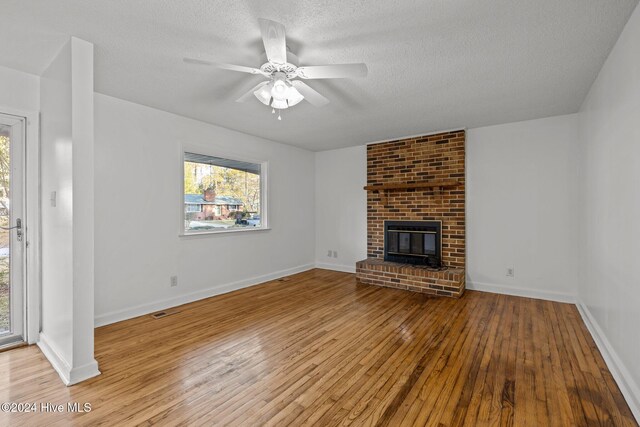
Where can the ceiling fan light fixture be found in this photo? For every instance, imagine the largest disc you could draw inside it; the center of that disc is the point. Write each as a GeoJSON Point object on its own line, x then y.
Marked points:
{"type": "Point", "coordinates": [293, 96]}
{"type": "Point", "coordinates": [280, 86]}
{"type": "Point", "coordinates": [264, 94]}
{"type": "Point", "coordinates": [279, 90]}
{"type": "Point", "coordinates": [279, 104]}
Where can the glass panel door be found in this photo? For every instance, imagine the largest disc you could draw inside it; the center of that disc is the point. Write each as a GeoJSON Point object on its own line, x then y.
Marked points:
{"type": "Point", "coordinates": [12, 289]}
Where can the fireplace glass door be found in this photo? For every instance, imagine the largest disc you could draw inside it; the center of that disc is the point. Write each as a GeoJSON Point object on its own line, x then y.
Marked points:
{"type": "Point", "coordinates": [413, 242]}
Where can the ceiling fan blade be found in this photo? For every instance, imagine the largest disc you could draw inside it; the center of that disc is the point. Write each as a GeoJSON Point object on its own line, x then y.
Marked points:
{"type": "Point", "coordinates": [230, 67]}
{"type": "Point", "coordinates": [310, 94]}
{"type": "Point", "coordinates": [197, 61]}
{"type": "Point", "coordinates": [249, 94]}
{"type": "Point", "coordinates": [275, 44]}
{"type": "Point", "coordinates": [341, 71]}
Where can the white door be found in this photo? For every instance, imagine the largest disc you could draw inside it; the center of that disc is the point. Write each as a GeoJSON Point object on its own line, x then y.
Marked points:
{"type": "Point", "coordinates": [12, 285]}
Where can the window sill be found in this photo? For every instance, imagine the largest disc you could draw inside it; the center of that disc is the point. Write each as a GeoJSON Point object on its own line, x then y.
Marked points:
{"type": "Point", "coordinates": [222, 232]}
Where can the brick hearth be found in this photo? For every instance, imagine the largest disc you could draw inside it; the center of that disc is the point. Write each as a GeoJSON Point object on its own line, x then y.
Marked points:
{"type": "Point", "coordinates": [410, 161]}
{"type": "Point", "coordinates": [448, 282]}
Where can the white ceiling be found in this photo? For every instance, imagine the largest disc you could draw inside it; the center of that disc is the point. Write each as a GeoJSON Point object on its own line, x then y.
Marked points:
{"type": "Point", "coordinates": [433, 65]}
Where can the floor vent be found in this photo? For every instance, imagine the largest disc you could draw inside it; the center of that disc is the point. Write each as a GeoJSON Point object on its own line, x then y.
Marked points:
{"type": "Point", "coordinates": [165, 313]}
{"type": "Point", "coordinates": [284, 279]}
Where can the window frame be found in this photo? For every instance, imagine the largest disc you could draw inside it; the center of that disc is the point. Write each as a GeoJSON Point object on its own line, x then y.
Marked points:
{"type": "Point", "coordinates": [264, 185]}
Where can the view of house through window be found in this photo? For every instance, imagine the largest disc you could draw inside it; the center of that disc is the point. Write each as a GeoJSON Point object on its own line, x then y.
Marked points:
{"type": "Point", "coordinates": [221, 194]}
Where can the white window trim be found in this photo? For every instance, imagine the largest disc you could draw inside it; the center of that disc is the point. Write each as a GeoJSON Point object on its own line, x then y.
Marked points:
{"type": "Point", "coordinates": [264, 192]}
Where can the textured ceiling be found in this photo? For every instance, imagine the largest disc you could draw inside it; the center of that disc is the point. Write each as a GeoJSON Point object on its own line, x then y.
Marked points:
{"type": "Point", "coordinates": [433, 65]}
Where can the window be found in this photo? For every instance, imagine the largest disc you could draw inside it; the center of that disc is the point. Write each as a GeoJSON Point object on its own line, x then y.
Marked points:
{"type": "Point", "coordinates": [222, 194]}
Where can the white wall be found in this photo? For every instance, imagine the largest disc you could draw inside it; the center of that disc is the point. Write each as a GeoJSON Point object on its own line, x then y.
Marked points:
{"type": "Point", "coordinates": [57, 222]}
{"type": "Point", "coordinates": [82, 133]}
{"type": "Point", "coordinates": [341, 207]}
{"type": "Point", "coordinates": [19, 91]}
{"type": "Point", "coordinates": [522, 206]}
{"type": "Point", "coordinates": [609, 285]}
{"type": "Point", "coordinates": [67, 228]}
{"type": "Point", "coordinates": [138, 192]}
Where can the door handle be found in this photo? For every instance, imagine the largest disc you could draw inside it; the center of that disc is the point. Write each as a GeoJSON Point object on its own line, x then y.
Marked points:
{"type": "Point", "coordinates": [18, 227]}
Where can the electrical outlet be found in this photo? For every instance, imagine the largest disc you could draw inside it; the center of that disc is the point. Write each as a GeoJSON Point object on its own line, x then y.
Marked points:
{"type": "Point", "coordinates": [335, 254]}
{"type": "Point", "coordinates": [510, 272]}
{"type": "Point", "coordinates": [174, 281]}
{"type": "Point", "coordinates": [329, 253]}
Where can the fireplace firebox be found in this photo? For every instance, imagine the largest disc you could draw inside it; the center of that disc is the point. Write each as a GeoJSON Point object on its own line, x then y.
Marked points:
{"type": "Point", "coordinates": [413, 242]}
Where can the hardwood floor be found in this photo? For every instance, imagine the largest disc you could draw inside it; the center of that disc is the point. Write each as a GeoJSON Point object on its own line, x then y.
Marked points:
{"type": "Point", "coordinates": [319, 349]}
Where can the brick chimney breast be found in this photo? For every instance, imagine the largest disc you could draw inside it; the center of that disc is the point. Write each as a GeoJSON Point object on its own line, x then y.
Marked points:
{"type": "Point", "coordinates": [423, 158]}
{"type": "Point", "coordinates": [209, 194]}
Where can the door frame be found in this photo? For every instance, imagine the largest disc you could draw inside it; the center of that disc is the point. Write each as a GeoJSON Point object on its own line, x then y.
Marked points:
{"type": "Point", "coordinates": [16, 245]}
{"type": "Point", "coordinates": [32, 222]}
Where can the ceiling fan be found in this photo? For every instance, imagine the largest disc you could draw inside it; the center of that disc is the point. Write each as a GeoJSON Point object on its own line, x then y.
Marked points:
{"type": "Point", "coordinates": [281, 90]}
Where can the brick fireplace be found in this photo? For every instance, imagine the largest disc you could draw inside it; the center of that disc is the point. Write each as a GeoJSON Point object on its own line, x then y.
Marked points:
{"type": "Point", "coordinates": [416, 181]}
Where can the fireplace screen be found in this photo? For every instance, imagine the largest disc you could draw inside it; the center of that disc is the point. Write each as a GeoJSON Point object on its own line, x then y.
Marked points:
{"type": "Point", "coordinates": [413, 242]}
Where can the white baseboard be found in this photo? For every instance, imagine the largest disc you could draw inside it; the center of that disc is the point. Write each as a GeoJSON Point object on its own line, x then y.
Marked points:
{"type": "Point", "coordinates": [521, 292]}
{"type": "Point", "coordinates": [141, 310]}
{"type": "Point", "coordinates": [336, 267]}
{"type": "Point", "coordinates": [69, 376]}
{"type": "Point", "coordinates": [630, 390]}
{"type": "Point", "coordinates": [58, 362]}
{"type": "Point", "coordinates": [83, 372]}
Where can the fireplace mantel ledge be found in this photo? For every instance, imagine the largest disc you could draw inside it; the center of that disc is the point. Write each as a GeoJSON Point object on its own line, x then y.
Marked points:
{"type": "Point", "coordinates": [437, 185]}
{"type": "Point", "coordinates": [412, 185]}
